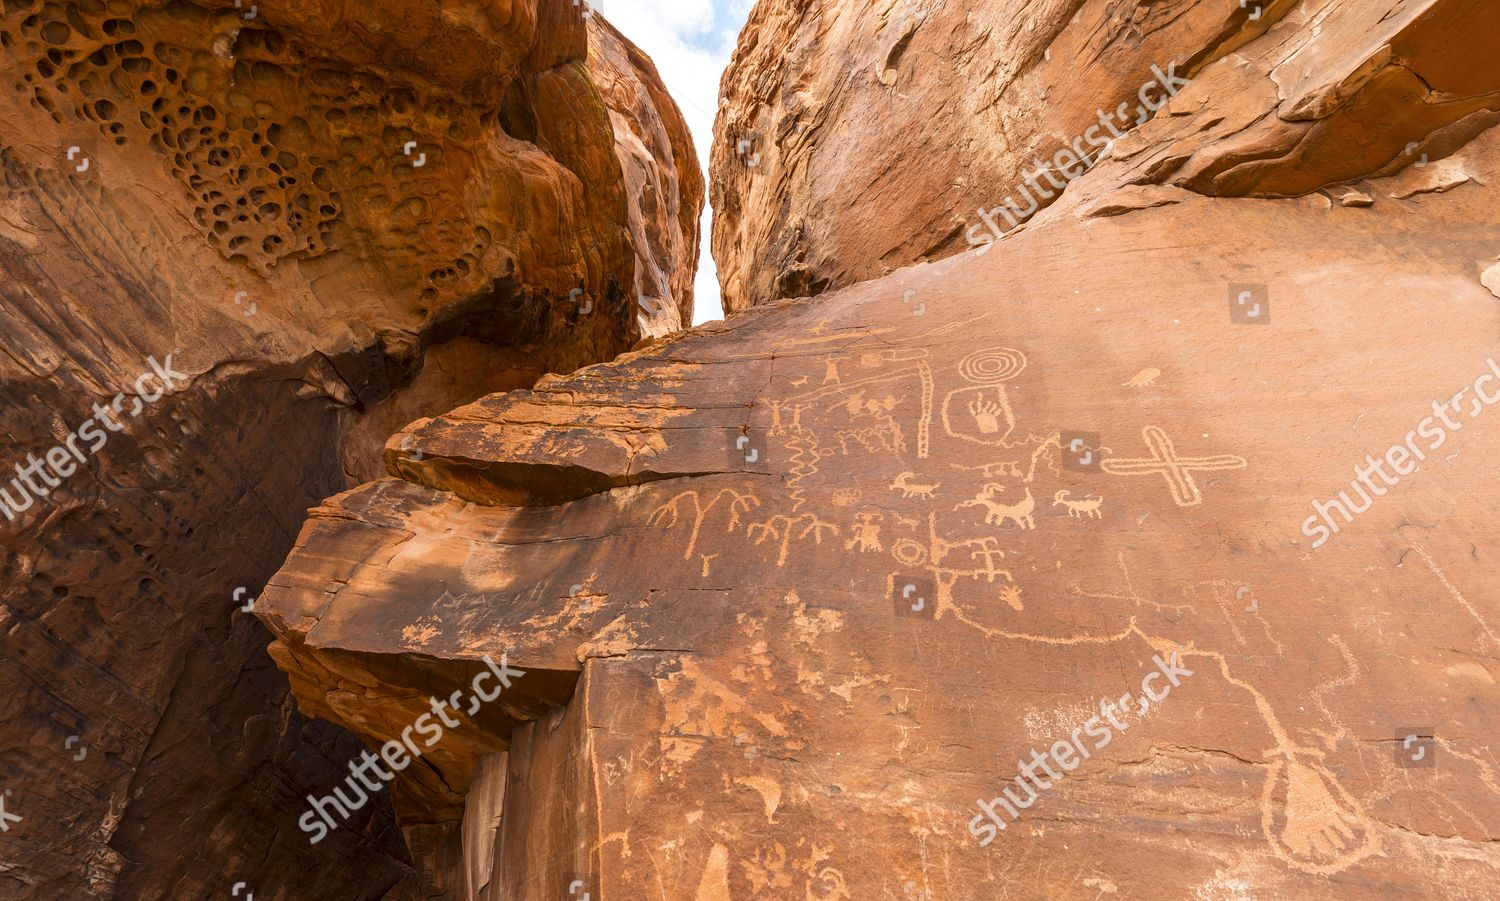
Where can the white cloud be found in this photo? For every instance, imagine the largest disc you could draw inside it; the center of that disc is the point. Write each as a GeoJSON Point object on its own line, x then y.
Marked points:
{"type": "Point", "coordinates": [690, 41]}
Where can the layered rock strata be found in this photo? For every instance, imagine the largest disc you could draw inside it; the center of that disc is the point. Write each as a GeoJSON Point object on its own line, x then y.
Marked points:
{"type": "Point", "coordinates": [322, 220]}
{"type": "Point", "coordinates": [1143, 553]}
{"type": "Point", "coordinates": [855, 138]}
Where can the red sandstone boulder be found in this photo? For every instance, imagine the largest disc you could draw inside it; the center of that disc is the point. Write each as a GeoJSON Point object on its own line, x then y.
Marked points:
{"type": "Point", "coordinates": [328, 219]}
{"type": "Point", "coordinates": [813, 603]}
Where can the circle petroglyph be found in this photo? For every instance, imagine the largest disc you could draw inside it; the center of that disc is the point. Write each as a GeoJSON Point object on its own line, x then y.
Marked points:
{"type": "Point", "coordinates": [990, 367]}
{"type": "Point", "coordinates": [908, 552]}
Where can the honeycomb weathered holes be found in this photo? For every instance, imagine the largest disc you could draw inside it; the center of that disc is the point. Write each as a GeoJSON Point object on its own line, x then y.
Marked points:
{"type": "Point", "coordinates": [148, 75]}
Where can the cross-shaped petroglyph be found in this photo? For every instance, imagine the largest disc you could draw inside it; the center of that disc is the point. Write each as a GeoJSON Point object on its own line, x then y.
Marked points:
{"type": "Point", "coordinates": [1178, 471]}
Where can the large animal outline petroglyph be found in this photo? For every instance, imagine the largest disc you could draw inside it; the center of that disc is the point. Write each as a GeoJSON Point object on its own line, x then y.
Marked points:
{"type": "Point", "coordinates": [997, 513]}
{"type": "Point", "coordinates": [1308, 819]}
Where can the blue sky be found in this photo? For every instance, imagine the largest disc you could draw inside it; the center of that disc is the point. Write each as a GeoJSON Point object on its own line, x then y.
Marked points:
{"type": "Point", "coordinates": [690, 41]}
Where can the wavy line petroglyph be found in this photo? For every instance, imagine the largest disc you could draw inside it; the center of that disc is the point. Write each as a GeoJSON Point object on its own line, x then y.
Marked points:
{"type": "Point", "coordinates": [1457, 595]}
{"type": "Point", "coordinates": [1310, 822]}
{"type": "Point", "coordinates": [1308, 819]}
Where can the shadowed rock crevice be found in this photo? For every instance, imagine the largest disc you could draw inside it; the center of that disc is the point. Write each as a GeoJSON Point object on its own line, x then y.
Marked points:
{"type": "Point", "coordinates": [318, 217]}
{"type": "Point", "coordinates": [964, 513]}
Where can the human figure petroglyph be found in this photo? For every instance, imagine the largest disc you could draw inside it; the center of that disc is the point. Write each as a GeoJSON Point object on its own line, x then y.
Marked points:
{"type": "Point", "coordinates": [910, 364]}
{"type": "Point", "coordinates": [1309, 820]}
{"type": "Point", "coordinates": [1087, 507]}
{"type": "Point", "coordinates": [777, 426]}
{"type": "Point", "coordinates": [866, 532]}
{"type": "Point", "coordinates": [910, 489]}
{"type": "Point", "coordinates": [986, 547]}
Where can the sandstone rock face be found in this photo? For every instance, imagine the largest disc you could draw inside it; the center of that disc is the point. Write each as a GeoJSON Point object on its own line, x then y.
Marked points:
{"type": "Point", "coordinates": [324, 220]}
{"type": "Point", "coordinates": [1022, 574]}
{"type": "Point", "coordinates": [877, 130]}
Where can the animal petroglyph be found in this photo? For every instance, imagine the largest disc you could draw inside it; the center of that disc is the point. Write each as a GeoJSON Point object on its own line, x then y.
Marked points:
{"type": "Point", "coordinates": [1088, 507]}
{"type": "Point", "coordinates": [910, 490]}
{"type": "Point", "coordinates": [997, 513]}
{"type": "Point", "coordinates": [1178, 471]}
{"type": "Point", "coordinates": [1144, 379]}
{"type": "Point", "coordinates": [846, 397]}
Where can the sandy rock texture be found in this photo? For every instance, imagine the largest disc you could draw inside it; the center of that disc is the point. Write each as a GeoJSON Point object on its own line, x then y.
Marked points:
{"type": "Point", "coordinates": [855, 138]}
{"type": "Point", "coordinates": [799, 597]}
{"type": "Point", "coordinates": [327, 219]}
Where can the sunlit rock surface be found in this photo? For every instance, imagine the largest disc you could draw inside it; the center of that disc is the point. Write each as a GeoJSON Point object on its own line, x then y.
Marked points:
{"type": "Point", "coordinates": [331, 218]}
{"type": "Point", "coordinates": [794, 594]}
{"type": "Point", "coordinates": [856, 137]}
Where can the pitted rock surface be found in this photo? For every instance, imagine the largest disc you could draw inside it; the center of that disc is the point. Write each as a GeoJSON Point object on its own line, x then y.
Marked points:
{"type": "Point", "coordinates": [816, 580]}
{"type": "Point", "coordinates": [332, 218]}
